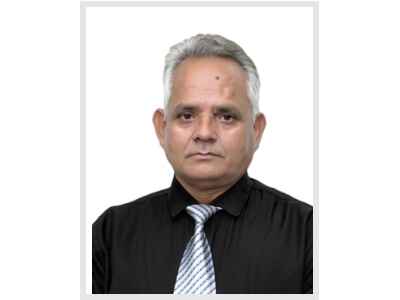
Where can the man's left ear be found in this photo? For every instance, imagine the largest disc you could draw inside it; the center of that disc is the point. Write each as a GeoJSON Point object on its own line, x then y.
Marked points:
{"type": "Point", "coordinates": [258, 127]}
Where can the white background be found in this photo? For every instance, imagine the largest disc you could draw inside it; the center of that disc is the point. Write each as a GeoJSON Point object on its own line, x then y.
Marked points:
{"type": "Point", "coordinates": [125, 52]}
{"type": "Point", "coordinates": [124, 88]}
{"type": "Point", "coordinates": [359, 146]}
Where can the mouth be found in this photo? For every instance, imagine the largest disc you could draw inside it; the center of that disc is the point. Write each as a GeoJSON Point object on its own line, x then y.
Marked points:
{"type": "Point", "coordinates": [203, 155]}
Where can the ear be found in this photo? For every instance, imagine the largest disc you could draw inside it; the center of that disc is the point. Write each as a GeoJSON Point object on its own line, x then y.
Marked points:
{"type": "Point", "coordinates": [159, 125]}
{"type": "Point", "coordinates": [259, 125]}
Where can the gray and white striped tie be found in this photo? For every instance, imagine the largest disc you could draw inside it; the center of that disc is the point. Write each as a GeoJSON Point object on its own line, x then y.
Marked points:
{"type": "Point", "coordinates": [196, 270]}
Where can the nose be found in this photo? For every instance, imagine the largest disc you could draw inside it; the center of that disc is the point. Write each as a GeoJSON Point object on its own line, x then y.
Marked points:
{"type": "Point", "coordinates": [205, 130]}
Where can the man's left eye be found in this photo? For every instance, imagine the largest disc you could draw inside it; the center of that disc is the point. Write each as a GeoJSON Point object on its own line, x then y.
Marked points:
{"type": "Point", "coordinates": [226, 118]}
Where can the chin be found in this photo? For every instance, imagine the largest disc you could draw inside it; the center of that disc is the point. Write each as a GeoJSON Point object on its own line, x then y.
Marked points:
{"type": "Point", "coordinates": [203, 175]}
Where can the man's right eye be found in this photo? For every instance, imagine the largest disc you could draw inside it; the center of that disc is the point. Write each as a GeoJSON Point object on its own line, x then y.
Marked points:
{"type": "Point", "coordinates": [186, 116]}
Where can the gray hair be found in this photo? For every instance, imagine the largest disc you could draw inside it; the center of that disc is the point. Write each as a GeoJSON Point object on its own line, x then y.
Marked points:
{"type": "Point", "coordinates": [203, 45]}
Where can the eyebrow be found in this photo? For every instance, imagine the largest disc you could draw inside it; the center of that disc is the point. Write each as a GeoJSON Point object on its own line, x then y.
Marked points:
{"type": "Point", "coordinates": [221, 109]}
{"type": "Point", "coordinates": [185, 107]}
{"type": "Point", "coordinates": [224, 109]}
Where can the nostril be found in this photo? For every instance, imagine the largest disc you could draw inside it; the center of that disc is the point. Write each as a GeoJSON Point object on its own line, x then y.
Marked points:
{"type": "Point", "coordinates": [203, 139]}
{"type": "Point", "coordinates": [205, 130]}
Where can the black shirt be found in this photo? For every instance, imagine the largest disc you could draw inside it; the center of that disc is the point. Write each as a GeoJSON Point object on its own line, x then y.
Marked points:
{"type": "Point", "coordinates": [261, 242]}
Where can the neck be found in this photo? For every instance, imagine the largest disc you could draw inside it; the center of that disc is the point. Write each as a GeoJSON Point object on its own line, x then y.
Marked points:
{"type": "Point", "coordinates": [206, 193]}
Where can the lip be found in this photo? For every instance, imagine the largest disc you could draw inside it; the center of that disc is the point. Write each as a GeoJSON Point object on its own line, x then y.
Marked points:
{"type": "Point", "coordinates": [203, 155]}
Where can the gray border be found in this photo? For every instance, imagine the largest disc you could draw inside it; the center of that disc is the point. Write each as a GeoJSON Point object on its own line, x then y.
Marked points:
{"type": "Point", "coordinates": [83, 6]}
{"type": "Point", "coordinates": [316, 152]}
{"type": "Point", "coordinates": [195, 3]}
{"type": "Point", "coordinates": [83, 150]}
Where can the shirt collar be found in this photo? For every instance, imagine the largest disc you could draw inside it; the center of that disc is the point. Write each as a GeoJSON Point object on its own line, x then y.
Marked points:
{"type": "Point", "coordinates": [233, 200]}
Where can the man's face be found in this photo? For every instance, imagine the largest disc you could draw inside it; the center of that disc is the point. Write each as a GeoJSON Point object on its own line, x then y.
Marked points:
{"type": "Point", "coordinates": [208, 134]}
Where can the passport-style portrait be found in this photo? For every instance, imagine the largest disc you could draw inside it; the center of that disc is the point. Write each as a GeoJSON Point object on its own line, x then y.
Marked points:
{"type": "Point", "coordinates": [199, 148]}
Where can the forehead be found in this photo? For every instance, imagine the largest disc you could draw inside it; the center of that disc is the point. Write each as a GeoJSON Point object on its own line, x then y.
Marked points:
{"type": "Point", "coordinates": [209, 80]}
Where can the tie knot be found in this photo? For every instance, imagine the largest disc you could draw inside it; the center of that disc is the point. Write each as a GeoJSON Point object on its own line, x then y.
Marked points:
{"type": "Point", "coordinates": [201, 212]}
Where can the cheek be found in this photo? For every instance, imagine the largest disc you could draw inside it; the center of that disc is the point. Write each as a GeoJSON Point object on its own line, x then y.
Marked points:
{"type": "Point", "coordinates": [176, 140]}
{"type": "Point", "coordinates": [238, 143]}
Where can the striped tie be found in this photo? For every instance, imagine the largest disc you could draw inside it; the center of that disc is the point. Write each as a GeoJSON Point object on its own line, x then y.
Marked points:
{"type": "Point", "coordinates": [196, 271]}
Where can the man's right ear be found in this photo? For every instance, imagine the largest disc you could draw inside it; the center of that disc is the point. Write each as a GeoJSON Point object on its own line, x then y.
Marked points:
{"type": "Point", "coordinates": [159, 125]}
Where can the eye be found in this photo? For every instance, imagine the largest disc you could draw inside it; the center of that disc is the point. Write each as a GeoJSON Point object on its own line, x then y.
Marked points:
{"type": "Point", "coordinates": [226, 118]}
{"type": "Point", "coordinates": [185, 116]}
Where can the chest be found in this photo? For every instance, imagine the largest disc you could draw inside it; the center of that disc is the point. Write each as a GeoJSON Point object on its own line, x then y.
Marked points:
{"type": "Point", "coordinates": [247, 258]}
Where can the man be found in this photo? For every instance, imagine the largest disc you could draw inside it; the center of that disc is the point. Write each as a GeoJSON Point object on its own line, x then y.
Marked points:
{"type": "Point", "coordinates": [215, 230]}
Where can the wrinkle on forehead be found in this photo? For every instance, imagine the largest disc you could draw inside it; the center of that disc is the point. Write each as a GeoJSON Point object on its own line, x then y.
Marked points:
{"type": "Point", "coordinates": [212, 69]}
{"type": "Point", "coordinates": [225, 92]}
{"type": "Point", "coordinates": [196, 79]}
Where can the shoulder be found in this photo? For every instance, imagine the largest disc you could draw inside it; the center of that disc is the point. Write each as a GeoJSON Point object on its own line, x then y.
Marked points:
{"type": "Point", "coordinates": [133, 208]}
{"type": "Point", "coordinates": [280, 200]}
{"type": "Point", "coordinates": [119, 221]}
